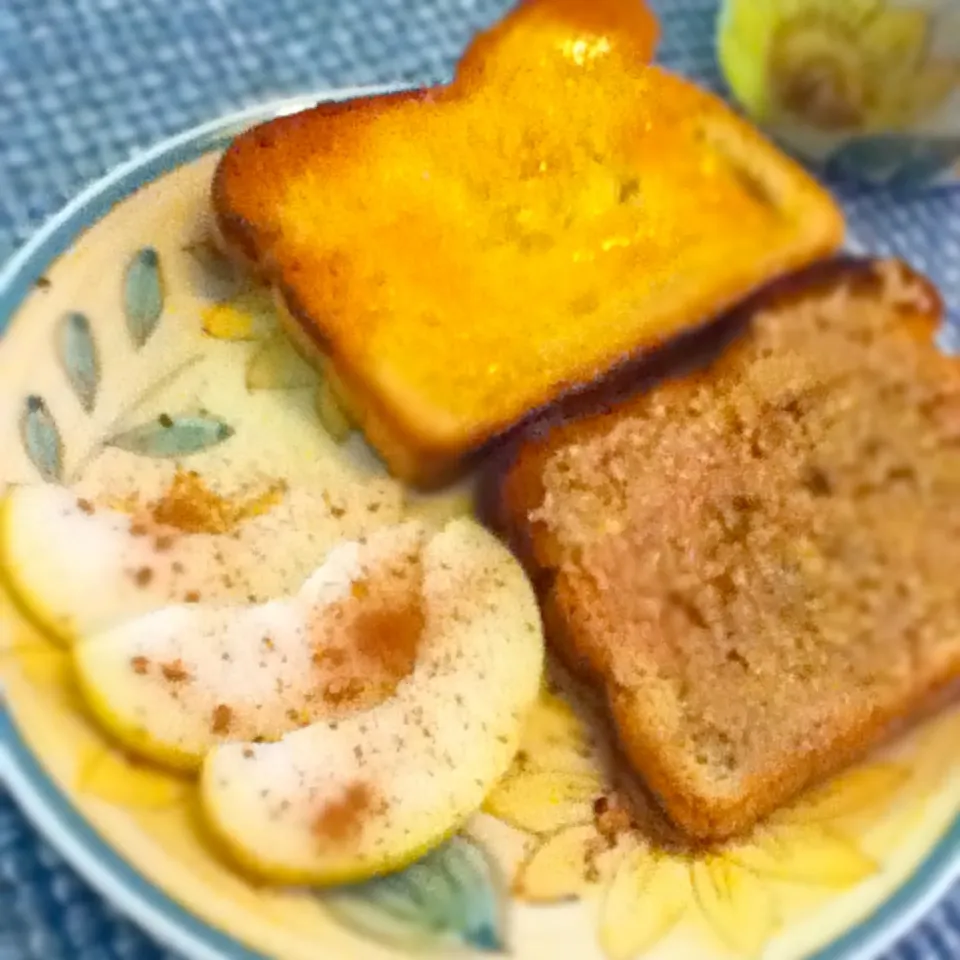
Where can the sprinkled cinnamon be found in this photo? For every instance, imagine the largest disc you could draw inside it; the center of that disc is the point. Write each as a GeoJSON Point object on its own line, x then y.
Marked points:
{"type": "Point", "coordinates": [341, 821]}
{"type": "Point", "coordinates": [175, 671]}
{"type": "Point", "coordinates": [334, 657]}
{"type": "Point", "coordinates": [143, 576]}
{"type": "Point", "coordinates": [191, 506]}
{"type": "Point", "coordinates": [300, 717]}
{"type": "Point", "coordinates": [335, 511]}
{"type": "Point", "coordinates": [612, 819]}
{"type": "Point", "coordinates": [222, 718]}
{"type": "Point", "coordinates": [373, 634]}
{"type": "Point", "coordinates": [85, 506]}
{"type": "Point", "coordinates": [140, 665]}
{"type": "Point", "coordinates": [344, 692]}
{"type": "Point", "coordinates": [388, 633]}
{"type": "Point", "coordinates": [388, 627]}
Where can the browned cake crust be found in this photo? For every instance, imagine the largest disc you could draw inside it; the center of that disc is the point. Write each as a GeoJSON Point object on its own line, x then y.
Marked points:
{"type": "Point", "coordinates": [462, 256]}
{"type": "Point", "coordinates": [758, 563]}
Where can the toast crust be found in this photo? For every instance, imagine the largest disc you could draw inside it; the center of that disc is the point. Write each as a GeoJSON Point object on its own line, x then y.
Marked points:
{"type": "Point", "coordinates": [424, 240]}
{"type": "Point", "coordinates": [574, 598]}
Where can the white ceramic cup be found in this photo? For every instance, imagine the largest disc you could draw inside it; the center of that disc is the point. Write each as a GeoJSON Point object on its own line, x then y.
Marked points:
{"type": "Point", "coordinates": [861, 88]}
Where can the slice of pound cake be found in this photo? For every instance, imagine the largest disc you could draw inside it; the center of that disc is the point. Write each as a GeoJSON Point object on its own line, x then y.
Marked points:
{"type": "Point", "coordinates": [457, 258]}
{"type": "Point", "coordinates": [758, 563]}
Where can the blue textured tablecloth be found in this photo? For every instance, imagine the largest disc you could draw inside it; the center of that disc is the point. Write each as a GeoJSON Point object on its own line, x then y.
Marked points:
{"type": "Point", "coordinates": [85, 83]}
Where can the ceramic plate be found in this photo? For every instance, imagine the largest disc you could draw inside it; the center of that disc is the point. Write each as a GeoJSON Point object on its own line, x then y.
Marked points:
{"type": "Point", "coordinates": [133, 352]}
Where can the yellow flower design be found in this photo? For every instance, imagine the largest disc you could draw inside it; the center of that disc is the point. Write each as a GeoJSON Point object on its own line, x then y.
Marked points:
{"type": "Point", "coordinates": [249, 315]}
{"type": "Point", "coordinates": [111, 776]}
{"type": "Point", "coordinates": [101, 771]}
{"type": "Point", "coordinates": [42, 664]}
{"type": "Point", "coordinates": [586, 840]}
{"type": "Point", "coordinates": [861, 65]}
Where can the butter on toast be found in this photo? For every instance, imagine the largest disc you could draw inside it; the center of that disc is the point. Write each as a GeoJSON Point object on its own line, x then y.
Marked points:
{"type": "Point", "coordinates": [464, 255]}
{"type": "Point", "coordinates": [757, 563]}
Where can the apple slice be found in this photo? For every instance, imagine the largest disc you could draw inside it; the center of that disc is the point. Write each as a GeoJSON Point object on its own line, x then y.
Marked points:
{"type": "Point", "coordinates": [75, 566]}
{"type": "Point", "coordinates": [370, 791]}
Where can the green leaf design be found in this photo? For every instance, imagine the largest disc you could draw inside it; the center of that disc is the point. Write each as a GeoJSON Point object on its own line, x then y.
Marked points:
{"type": "Point", "coordinates": [41, 438]}
{"type": "Point", "coordinates": [333, 418]}
{"type": "Point", "coordinates": [173, 436]}
{"type": "Point", "coordinates": [450, 897]}
{"type": "Point", "coordinates": [143, 295]}
{"type": "Point", "coordinates": [77, 352]}
{"type": "Point", "coordinates": [276, 365]}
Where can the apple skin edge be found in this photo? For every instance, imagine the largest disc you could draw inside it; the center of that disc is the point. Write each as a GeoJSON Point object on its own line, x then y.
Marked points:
{"type": "Point", "coordinates": [28, 606]}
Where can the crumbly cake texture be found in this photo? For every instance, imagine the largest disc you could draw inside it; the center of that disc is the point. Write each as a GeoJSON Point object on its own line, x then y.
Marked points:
{"type": "Point", "coordinates": [758, 562]}
{"type": "Point", "coordinates": [464, 255]}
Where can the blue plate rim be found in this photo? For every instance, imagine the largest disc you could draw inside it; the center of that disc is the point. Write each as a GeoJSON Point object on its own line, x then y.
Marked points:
{"type": "Point", "coordinates": [47, 806]}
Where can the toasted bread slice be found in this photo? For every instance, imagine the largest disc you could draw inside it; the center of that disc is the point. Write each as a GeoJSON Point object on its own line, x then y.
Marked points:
{"type": "Point", "coordinates": [464, 255]}
{"type": "Point", "coordinates": [758, 562]}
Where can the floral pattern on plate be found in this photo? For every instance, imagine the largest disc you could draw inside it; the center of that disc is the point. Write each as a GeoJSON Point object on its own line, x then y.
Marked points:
{"type": "Point", "coordinates": [590, 843]}
{"type": "Point", "coordinates": [160, 357]}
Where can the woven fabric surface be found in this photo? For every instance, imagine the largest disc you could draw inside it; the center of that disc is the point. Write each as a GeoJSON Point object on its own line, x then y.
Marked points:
{"type": "Point", "coordinates": [84, 84]}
